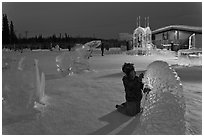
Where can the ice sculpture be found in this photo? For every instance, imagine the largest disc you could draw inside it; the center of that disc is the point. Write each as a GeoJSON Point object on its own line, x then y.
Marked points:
{"type": "Point", "coordinates": [56, 48]}
{"type": "Point", "coordinates": [164, 107]}
{"type": "Point", "coordinates": [23, 85]}
{"type": "Point", "coordinates": [77, 60]}
{"type": "Point", "coordinates": [190, 57]}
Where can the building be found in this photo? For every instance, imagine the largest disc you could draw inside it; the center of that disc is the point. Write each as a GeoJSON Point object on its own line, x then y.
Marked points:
{"type": "Point", "coordinates": [173, 37]}
{"type": "Point", "coordinates": [177, 37]}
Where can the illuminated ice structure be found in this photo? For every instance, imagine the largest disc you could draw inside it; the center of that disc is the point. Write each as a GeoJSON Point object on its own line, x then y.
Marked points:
{"type": "Point", "coordinates": [56, 48]}
{"type": "Point", "coordinates": [164, 107]}
{"type": "Point", "coordinates": [76, 60]}
{"type": "Point", "coordinates": [23, 86]}
{"type": "Point", "coordinates": [190, 57]}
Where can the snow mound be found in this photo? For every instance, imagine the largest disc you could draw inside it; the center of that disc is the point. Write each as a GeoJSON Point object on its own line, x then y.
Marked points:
{"type": "Point", "coordinates": [164, 108]}
{"type": "Point", "coordinates": [190, 57]}
{"type": "Point", "coordinates": [76, 61]}
{"type": "Point", "coordinates": [23, 85]}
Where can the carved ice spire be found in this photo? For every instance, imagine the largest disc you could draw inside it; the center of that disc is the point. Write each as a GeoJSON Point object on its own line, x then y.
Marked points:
{"type": "Point", "coordinates": [137, 23]}
{"type": "Point", "coordinates": [147, 21]}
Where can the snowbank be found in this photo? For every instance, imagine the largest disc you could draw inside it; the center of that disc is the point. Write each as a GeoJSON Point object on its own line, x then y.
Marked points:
{"type": "Point", "coordinates": [190, 57]}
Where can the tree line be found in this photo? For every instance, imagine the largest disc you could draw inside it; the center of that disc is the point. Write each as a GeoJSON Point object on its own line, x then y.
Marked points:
{"type": "Point", "coordinates": [8, 34]}
{"type": "Point", "coordinates": [65, 41]}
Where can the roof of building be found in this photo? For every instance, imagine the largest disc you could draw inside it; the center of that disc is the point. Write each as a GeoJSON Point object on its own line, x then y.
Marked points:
{"type": "Point", "coordinates": [178, 27]}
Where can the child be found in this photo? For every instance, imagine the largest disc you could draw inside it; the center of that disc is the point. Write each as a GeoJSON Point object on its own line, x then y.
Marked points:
{"type": "Point", "coordinates": [133, 91]}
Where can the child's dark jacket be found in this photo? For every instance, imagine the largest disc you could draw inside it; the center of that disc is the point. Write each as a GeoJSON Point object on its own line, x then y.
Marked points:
{"type": "Point", "coordinates": [133, 89]}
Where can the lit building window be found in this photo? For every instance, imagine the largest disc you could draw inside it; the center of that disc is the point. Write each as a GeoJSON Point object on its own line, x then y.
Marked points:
{"type": "Point", "coordinates": [165, 35]}
{"type": "Point", "coordinates": [176, 35]}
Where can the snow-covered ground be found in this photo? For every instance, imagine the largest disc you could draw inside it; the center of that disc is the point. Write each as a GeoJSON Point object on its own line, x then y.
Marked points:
{"type": "Point", "coordinates": [85, 103]}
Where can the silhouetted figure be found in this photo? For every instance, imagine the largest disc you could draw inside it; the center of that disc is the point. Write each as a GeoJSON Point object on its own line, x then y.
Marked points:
{"type": "Point", "coordinates": [172, 45]}
{"type": "Point", "coordinates": [107, 48]}
{"type": "Point", "coordinates": [102, 49]}
{"type": "Point", "coordinates": [133, 91]}
{"type": "Point", "coordinates": [21, 49]}
{"type": "Point", "coordinates": [127, 45]}
{"type": "Point", "coordinates": [69, 47]}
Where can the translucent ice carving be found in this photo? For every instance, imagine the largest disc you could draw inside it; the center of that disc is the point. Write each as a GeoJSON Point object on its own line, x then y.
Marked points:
{"type": "Point", "coordinates": [165, 107]}
{"type": "Point", "coordinates": [22, 85]}
{"type": "Point", "coordinates": [76, 60]}
{"type": "Point", "coordinates": [56, 48]}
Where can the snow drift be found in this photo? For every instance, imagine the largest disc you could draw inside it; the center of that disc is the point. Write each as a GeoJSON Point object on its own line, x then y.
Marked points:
{"type": "Point", "coordinates": [190, 57]}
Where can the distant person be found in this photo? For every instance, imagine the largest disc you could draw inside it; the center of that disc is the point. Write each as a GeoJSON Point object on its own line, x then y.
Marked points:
{"type": "Point", "coordinates": [21, 49]}
{"type": "Point", "coordinates": [133, 91]}
{"type": "Point", "coordinates": [127, 46]}
{"type": "Point", "coordinates": [102, 49]}
{"type": "Point", "coordinates": [172, 45]}
{"type": "Point", "coordinates": [107, 48]}
{"type": "Point", "coordinates": [69, 47]}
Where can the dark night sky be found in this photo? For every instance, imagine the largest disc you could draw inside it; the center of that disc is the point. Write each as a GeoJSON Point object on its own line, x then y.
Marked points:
{"type": "Point", "coordinates": [102, 19]}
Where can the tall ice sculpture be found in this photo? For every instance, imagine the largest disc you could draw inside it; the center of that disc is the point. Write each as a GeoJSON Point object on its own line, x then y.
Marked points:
{"type": "Point", "coordinates": [23, 85]}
